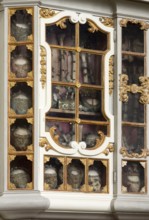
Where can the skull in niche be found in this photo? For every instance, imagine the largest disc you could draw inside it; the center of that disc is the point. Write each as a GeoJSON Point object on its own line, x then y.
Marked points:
{"type": "Point", "coordinates": [94, 179]}
{"type": "Point", "coordinates": [75, 175]}
{"type": "Point", "coordinates": [50, 176]}
{"type": "Point", "coordinates": [21, 137]}
{"type": "Point", "coordinates": [20, 102]}
{"type": "Point", "coordinates": [133, 177]}
{"type": "Point", "coordinates": [21, 66]}
{"type": "Point", "coordinates": [19, 177]}
{"type": "Point", "coordinates": [91, 140]}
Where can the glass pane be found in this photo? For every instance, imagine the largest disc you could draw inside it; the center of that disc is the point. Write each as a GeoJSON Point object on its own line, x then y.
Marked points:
{"type": "Point", "coordinates": [21, 98]}
{"type": "Point", "coordinates": [21, 25]}
{"type": "Point", "coordinates": [64, 132]}
{"type": "Point", "coordinates": [21, 61]}
{"type": "Point", "coordinates": [133, 66]}
{"type": "Point", "coordinates": [63, 98]}
{"type": "Point", "coordinates": [75, 174]}
{"type": "Point", "coordinates": [21, 135]}
{"type": "Point", "coordinates": [133, 38]}
{"type": "Point", "coordinates": [133, 177]}
{"type": "Point", "coordinates": [133, 110]}
{"type": "Point", "coordinates": [52, 171]}
{"type": "Point", "coordinates": [133, 138]}
{"type": "Point", "coordinates": [90, 100]}
{"type": "Point", "coordinates": [90, 105]}
{"type": "Point", "coordinates": [92, 40]}
{"type": "Point", "coordinates": [63, 65]}
{"type": "Point", "coordinates": [20, 172]}
{"type": "Point", "coordinates": [92, 134]}
{"type": "Point", "coordinates": [90, 68]}
{"type": "Point", "coordinates": [62, 35]}
{"type": "Point", "coordinates": [97, 176]}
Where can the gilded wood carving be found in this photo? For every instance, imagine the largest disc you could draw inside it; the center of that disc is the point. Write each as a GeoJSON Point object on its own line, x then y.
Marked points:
{"type": "Point", "coordinates": [43, 66]}
{"type": "Point", "coordinates": [124, 152]}
{"type": "Point", "coordinates": [143, 89]}
{"type": "Point", "coordinates": [143, 25]}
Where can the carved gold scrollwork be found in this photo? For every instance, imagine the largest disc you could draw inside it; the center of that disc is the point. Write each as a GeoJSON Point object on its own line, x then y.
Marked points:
{"type": "Point", "coordinates": [143, 89]}
{"type": "Point", "coordinates": [43, 142]}
{"type": "Point", "coordinates": [109, 149]}
{"type": "Point", "coordinates": [47, 12]}
{"type": "Point", "coordinates": [43, 65]}
{"type": "Point", "coordinates": [111, 74]}
{"type": "Point", "coordinates": [124, 152]}
{"type": "Point", "coordinates": [53, 135]}
{"type": "Point", "coordinates": [100, 140]}
{"type": "Point", "coordinates": [61, 23]}
{"type": "Point", "coordinates": [143, 25]}
{"type": "Point", "coordinates": [109, 22]}
{"type": "Point", "coordinates": [92, 27]}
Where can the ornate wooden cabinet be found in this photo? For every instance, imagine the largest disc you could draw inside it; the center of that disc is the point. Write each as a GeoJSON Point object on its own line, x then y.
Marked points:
{"type": "Point", "coordinates": [76, 123]}
{"type": "Point", "coordinates": [74, 113]}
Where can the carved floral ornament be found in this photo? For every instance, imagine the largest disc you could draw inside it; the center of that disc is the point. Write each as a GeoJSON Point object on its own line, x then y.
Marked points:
{"type": "Point", "coordinates": [44, 143]}
{"type": "Point", "coordinates": [109, 22]}
{"type": "Point", "coordinates": [143, 89]}
{"type": "Point", "coordinates": [124, 152]}
{"type": "Point", "coordinates": [111, 74]}
{"type": "Point", "coordinates": [43, 65]}
{"type": "Point", "coordinates": [47, 12]}
{"type": "Point", "coordinates": [143, 25]}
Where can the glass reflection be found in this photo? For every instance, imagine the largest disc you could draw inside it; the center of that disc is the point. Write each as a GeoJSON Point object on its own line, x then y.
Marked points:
{"type": "Point", "coordinates": [63, 98]}
{"type": "Point", "coordinates": [65, 132]}
{"type": "Point", "coordinates": [90, 100]}
{"type": "Point", "coordinates": [133, 138]}
{"type": "Point", "coordinates": [133, 110]}
{"type": "Point", "coordinates": [63, 65]}
{"type": "Point", "coordinates": [92, 40]}
{"type": "Point", "coordinates": [62, 36]}
{"type": "Point", "coordinates": [89, 134]}
{"type": "Point", "coordinates": [133, 66]}
{"type": "Point", "coordinates": [90, 69]}
{"type": "Point", "coordinates": [133, 38]}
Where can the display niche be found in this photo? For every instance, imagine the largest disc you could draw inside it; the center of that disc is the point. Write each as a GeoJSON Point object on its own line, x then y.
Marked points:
{"type": "Point", "coordinates": [134, 99]}
{"type": "Point", "coordinates": [21, 101]}
{"type": "Point", "coordinates": [77, 123]}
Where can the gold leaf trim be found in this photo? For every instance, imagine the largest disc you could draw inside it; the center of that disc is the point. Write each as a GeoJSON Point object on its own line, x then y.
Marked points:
{"type": "Point", "coordinates": [43, 66]}
{"type": "Point", "coordinates": [12, 11]}
{"type": "Point", "coordinates": [43, 142]}
{"type": "Point", "coordinates": [109, 22]}
{"type": "Point", "coordinates": [109, 149]}
{"type": "Point", "coordinates": [29, 47]}
{"type": "Point", "coordinates": [61, 23]}
{"type": "Point", "coordinates": [92, 27]}
{"type": "Point", "coordinates": [143, 89]}
{"type": "Point", "coordinates": [12, 84]}
{"type": "Point", "coordinates": [29, 11]}
{"type": "Point", "coordinates": [29, 157]}
{"type": "Point", "coordinates": [124, 152]}
{"type": "Point", "coordinates": [12, 157]}
{"type": "Point", "coordinates": [143, 25]}
{"type": "Point", "coordinates": [111, 75]}
{"type": "Point", "coordinates": [47, 13]}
